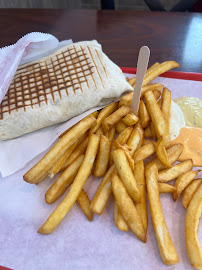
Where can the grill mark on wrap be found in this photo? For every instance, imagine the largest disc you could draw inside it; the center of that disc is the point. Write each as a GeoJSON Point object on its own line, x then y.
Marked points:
{"type": "Point", "coordinates": [95, 64]}
{"type": "Point", "coordinates": [33, 84]}
{"type": "Point", "coordinates": [101, 63]}
{"type": "Point", "coordinates": [91, 74]}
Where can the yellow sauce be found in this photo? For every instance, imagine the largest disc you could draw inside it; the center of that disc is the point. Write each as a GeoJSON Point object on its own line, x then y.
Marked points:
{"type": "Point", "coordinates": [191, 138]}
{"type": "Point", "coordinates": [192, 110]}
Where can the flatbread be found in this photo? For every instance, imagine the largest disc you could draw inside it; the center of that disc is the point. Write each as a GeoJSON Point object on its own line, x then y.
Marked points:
{"type": "Point", "coordinates": [55, 88]}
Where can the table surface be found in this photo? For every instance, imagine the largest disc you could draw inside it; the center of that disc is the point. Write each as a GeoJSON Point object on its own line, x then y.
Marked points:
{"type": "Point", "coordinates": [170, 36]}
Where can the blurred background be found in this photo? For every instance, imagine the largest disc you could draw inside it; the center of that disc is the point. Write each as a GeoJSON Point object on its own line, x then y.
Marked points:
{"type": "Point", "coordinates": [153, 5]}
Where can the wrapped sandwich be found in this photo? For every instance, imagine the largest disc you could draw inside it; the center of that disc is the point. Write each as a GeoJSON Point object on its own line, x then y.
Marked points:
{"type": "Point", "coordinates": [58, 87]}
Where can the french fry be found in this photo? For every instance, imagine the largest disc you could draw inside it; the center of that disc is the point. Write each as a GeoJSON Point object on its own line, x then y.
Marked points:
{"type": "Point", "coordinates": [44, 165]}
{"type": "Point", "coordinates": [144, 152]}
{"type": "Point", "coordinates": [127, 79]}
{"type": "Point", "coordinates": [161, 153]}
{"type": "Point", "coordinates": [102, 194]}
{"type": "Point", "coordinates": [145, 141]}
{"type": "Point", "coordinates": [153, 131]}
{"type": "Point", "coordinates": [121, 139]}
{"type": "Point", "coordinates": [173, 153]}
{"type": "Point", "coordinates": [189, 191]}
{"type": "Point", "coordinates": [130, 119]}
{"type": "Point", "coordinates": [157, 94]}
{"type": "Point", "coordinates": [94, 114]}
{"type": "Point", "coordinates": [166, 108]}
{"type": "Point", "coordinates": [125, 203]}
{"type": "Point", "coordinates": [127, 153]}
{"type": "Point", "coordinates": [126, 174]}
{"type": "Point", "coordinates": [175, 171]}
{"type": "Point", "coordinates": [120, 126]}
{"type": "Point", "coordinates": [102, 159]}
{"type": "Point", "coordinates": [142, 205]}
{"type": "Point", "coordinates": [165, 188]}
{"type": "Point", "coordinates": [143, 114]}
{"type": "Point", "coordinates": [124, 135]}
{"type": "Point", "coordinates": [133, 80]}
{"type": "Point", "coordinates": [151, 87]}
{"type": "Point", "coordinates": [165, 244]}
{"type": "Point", "coordinates": [105, 112]}
{"type": "Point", "coordinates": [84, 204]}
{"type": "Point", "coordinates": [130, 159]}
{"type": "Point", "coordinates": [182, 181]}
{"type": "Point", "coordinates": [156, 116]}
{"type": "Point", "coordinates": [42, 178]}
{"type": "Point", "coordinates": [115, 117]}
{"type": "Point", "coordinates": [192, 218]}
{"type": "Point", "coordinates": [152, 67]}
{"type": "Point", "coordinates": [62, 183]}
{"type": "Point", "coordinates": [110, 134]}
{"type": "Point", "coordinates": [125, 147]}
{"type": "Point", "coordinates": [134, 140]}
{"type": "Point", "coordinates": [79, 150]}
{"type": "Point", "coordinates": [160, 69]}
{"type": "Point", "coordinates": [99, 131]}
{"type": "Point", "coordinates": [141, 131]}
{"type": "Point", "coordinates": [150, 131]}
{"type": "Point", "coordinates": [159, 102]}
{"type": "Point", "coordinates": [127, 99]}
{"type": "Point", "coordinates": [58, 165]}
{"type": "Point", "coordinates": [118, 218]}
{"type": "Point", "coordinates": [84, 171]}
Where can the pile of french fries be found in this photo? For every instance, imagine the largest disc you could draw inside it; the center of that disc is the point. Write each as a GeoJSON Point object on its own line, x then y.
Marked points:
{"type": "Point", "coordinates": [93, 147]}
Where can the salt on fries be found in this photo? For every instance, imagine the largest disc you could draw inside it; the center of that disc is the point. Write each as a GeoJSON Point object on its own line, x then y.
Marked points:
{"type": "Point", "coordinates": [120, 161]}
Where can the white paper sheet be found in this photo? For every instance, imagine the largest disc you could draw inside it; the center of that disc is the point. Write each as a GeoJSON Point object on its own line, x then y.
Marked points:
{"type": "Point", "coordinates": [21, 150]}
{"type": "Point", "coordinates": [78, 243]}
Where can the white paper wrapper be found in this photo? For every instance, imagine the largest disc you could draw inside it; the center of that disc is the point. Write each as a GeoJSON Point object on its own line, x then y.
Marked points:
{"type": "Point", "coordinates": [78, 243]}
{"type": "Point", "coordinates": [30, 47]}
{"type": "Point", "coordinates": [24, 50]}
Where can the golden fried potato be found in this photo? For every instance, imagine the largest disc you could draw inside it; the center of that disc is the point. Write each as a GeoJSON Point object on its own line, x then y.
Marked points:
{"type": "Point", "coordinates": [175, 171]}
{"type": "Point", "coordinates": [192, 218]}
{"type": "Point", "coordinates": [189, 191]}
{"type": "Point", "coordinates": [128, 208]}
{"type": "Point", "coordinates": [165, 244]}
